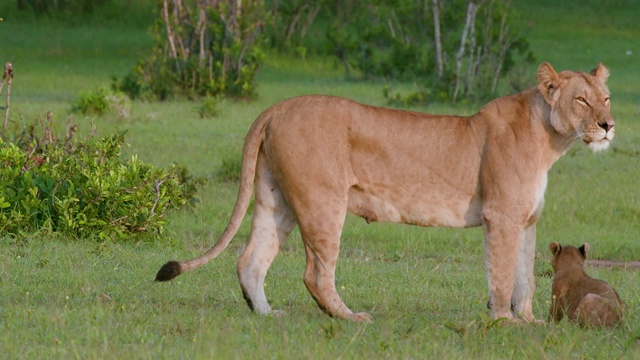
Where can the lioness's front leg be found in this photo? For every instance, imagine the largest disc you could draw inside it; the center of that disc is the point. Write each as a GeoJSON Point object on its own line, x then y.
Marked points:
{"type": "Point", "coordinates": [501, 247]}
{"type": "Point", "coordinates": [525, 286]}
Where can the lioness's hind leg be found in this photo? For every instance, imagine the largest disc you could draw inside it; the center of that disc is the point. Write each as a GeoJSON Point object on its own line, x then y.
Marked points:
{"type": "Point", "coordinates": [273, 220]}
{"type": "Point", "coordinates": [321, 235]}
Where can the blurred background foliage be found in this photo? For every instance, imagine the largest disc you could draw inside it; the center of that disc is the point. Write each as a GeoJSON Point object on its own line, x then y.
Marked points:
{"type": "Point", "coordinates": [450, 50]}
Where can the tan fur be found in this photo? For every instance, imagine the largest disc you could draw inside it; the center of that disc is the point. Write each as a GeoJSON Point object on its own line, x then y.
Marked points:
{"type": "Point", "coordinates": [313, 158]}
{"type": "Point", "coordinates": [583, 299]}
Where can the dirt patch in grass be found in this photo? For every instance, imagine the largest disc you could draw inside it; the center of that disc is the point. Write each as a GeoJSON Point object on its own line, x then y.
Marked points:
{"type": "Point", "coordinates": [630, 265]}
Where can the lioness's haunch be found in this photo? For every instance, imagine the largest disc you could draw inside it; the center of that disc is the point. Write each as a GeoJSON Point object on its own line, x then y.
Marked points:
{"type": "Point", "coordinates": [583, 299]}
{"type": "Point", "coordinates": [313, 158]}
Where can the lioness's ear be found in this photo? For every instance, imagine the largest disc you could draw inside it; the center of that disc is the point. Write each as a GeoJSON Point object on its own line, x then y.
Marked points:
{"type": "Point", "coordinates": [601, 72]}
{"type": "Point", "coordinates": [555, 248]}
{"type": "Point", "coordinates": [584, 249]}
{"type": "Point", "coordinates": [548, 82]}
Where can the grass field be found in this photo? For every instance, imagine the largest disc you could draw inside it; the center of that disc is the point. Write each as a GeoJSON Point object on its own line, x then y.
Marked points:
{"type": "Point", "coordinates": [426, 288]}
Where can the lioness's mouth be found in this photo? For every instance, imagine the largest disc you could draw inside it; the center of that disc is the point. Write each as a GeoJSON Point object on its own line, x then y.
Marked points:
{"type": "Point", "coordinates": [599, 141]}
{"type": "Point", "coordinates": [598, 145]}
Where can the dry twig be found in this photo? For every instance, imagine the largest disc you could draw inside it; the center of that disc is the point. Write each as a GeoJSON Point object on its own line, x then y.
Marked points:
{"type": "Point", "coordinates": [156, 188]}
{"type": "Point", "coordinates": [8, 77]}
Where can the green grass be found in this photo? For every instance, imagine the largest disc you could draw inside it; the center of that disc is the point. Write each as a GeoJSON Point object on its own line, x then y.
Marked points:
{"type": "Point", "coordinates": [88, 301]}
{"type": "Point", "coordinates": [426, 288]}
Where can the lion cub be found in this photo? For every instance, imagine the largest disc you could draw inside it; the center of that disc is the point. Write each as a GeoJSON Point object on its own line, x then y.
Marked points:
{"type": "Point", "coordinates": [583, 299]}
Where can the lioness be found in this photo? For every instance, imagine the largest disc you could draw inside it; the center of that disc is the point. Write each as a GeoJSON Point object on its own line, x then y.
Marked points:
{"type": "Point", "coordinates": [585, 300]}
{"type": "Point", "coordinates": [313, 158]}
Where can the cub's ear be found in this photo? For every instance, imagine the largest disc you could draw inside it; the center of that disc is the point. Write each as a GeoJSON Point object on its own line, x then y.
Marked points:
{"type": "Point", "coordinates": [584, 249]}
{"type": "Point", "coordinates": [555, 248]}
{"type": "Point", "coordinates": [601, 72]}
{"type": "Point", "coordinates": [548, 82]}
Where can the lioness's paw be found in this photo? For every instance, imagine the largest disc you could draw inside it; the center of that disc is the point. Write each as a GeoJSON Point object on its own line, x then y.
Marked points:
{"type": "Point", "coordinates": [360, 317]}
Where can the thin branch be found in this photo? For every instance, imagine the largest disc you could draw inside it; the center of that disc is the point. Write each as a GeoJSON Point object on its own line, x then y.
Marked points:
{"type": "Point", "coordinates": [34, 148]}
{"type": "Point", "coordinates": [49, 131]}
{"type": "Point", "coordinates": [156, 188]}
{"type": "Point", "coordinates": [310, 18]}
{"type": "Point", "coordinates": [4, 78]}
{"type": "Point", "coordinates": [55, 189]}
{"type": "Point", "coordinates": [292, 25]}
{"type": "Point", "coordinates": [8, 75]}
{"type": "Point", "coordinates": [70, 131]}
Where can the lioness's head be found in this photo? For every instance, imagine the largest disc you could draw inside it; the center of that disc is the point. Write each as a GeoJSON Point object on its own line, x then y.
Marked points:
{"type": "Point", "coordinates": [580, 104]}
{"type": "Point", "coordinates": [566, 256]}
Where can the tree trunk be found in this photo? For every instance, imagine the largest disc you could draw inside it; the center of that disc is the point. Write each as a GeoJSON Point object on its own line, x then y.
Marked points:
{"type": "Point", "coordinates": [505, 43]}
{"type": "Point", "coordinates": [437, 37]}
{"type": "Point", "coordinates": [471, 69]}
{"type": "Point", "coordinates": [471, 14]}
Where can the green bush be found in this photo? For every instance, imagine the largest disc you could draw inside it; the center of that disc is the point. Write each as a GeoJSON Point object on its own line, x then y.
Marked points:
{"type": "Point", "coordinates": [139, 13]}
{"type": "Point", "coordinates": [87, 189]}
{"type": "Point", "coordinates": [75, 7]}
{"type": "Point", "coordinates": [101, 101]}
{"type": "Point", "coordinates": [92, 103]}
{"type": "Point", "coordinates": [209, 107]}
{"type": "Point", "coordinates": [224, 59]}
{"type": "Point", "coordinates": [230, 169]}
{"type": "Point", "coordinates": [480, 50]}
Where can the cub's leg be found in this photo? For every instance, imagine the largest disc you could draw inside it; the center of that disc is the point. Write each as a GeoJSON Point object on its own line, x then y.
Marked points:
{"type": "Point", "coordinates": [525, 286]}
{"type": "Point", "coordinates": [502, 239]}
{"type": "Point", "coordinates": [596, 310]}
{"type": "Point", "coordinates": [273, 220]}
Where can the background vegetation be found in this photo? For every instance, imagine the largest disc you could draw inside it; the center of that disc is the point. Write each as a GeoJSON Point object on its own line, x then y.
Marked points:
{"type": "Point", "coordinates": [65, 297]}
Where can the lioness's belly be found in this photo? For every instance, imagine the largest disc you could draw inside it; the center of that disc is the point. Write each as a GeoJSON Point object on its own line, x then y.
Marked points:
{"type": "Point", "coordinates": [430, 210]}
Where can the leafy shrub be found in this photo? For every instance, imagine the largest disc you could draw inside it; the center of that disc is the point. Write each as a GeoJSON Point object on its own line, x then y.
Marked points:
{"type": "Point", "coordinates": [139, 13]}
{"type": "Point", "coordinates": [476, 44]}
{"type": "Point", "coordinates": [102, 102]}
{"type": "Point", "coordinates": [92, 103]}
{"type": "Point", "coordinates": [230, 169]}
{"type": "Point", "coordinates": [202, 49]}
{"type": "Point", "coordinates": [209, 107]}
{"type": "Point", "coordinates": [77, 7]}
{"type": "Point", "coordinates": [119, 104]}
{"type": "Point", "coordinates": [86, 189]}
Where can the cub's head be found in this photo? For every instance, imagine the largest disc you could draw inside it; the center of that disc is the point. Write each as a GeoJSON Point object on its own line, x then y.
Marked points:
{"type": "Point", "coordinates": [567, 256]}
{"type": "Point", "coordinates": [580, 104]}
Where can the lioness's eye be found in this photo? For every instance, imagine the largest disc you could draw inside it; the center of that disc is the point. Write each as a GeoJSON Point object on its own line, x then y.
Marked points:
{"type": "Point", "coordinates": [582, 100]}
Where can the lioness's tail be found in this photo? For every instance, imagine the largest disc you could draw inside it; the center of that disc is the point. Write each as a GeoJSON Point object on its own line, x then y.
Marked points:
{"type": "Point", "coordinates": [249, 159]}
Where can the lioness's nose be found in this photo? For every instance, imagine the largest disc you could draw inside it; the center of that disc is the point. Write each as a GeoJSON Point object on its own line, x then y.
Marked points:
{"type": "Point", "coordinates": [607, 124]}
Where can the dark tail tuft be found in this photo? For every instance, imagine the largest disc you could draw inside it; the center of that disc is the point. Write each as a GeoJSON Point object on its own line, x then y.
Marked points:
{"type": "Point", "coordinates": [168, 271]}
